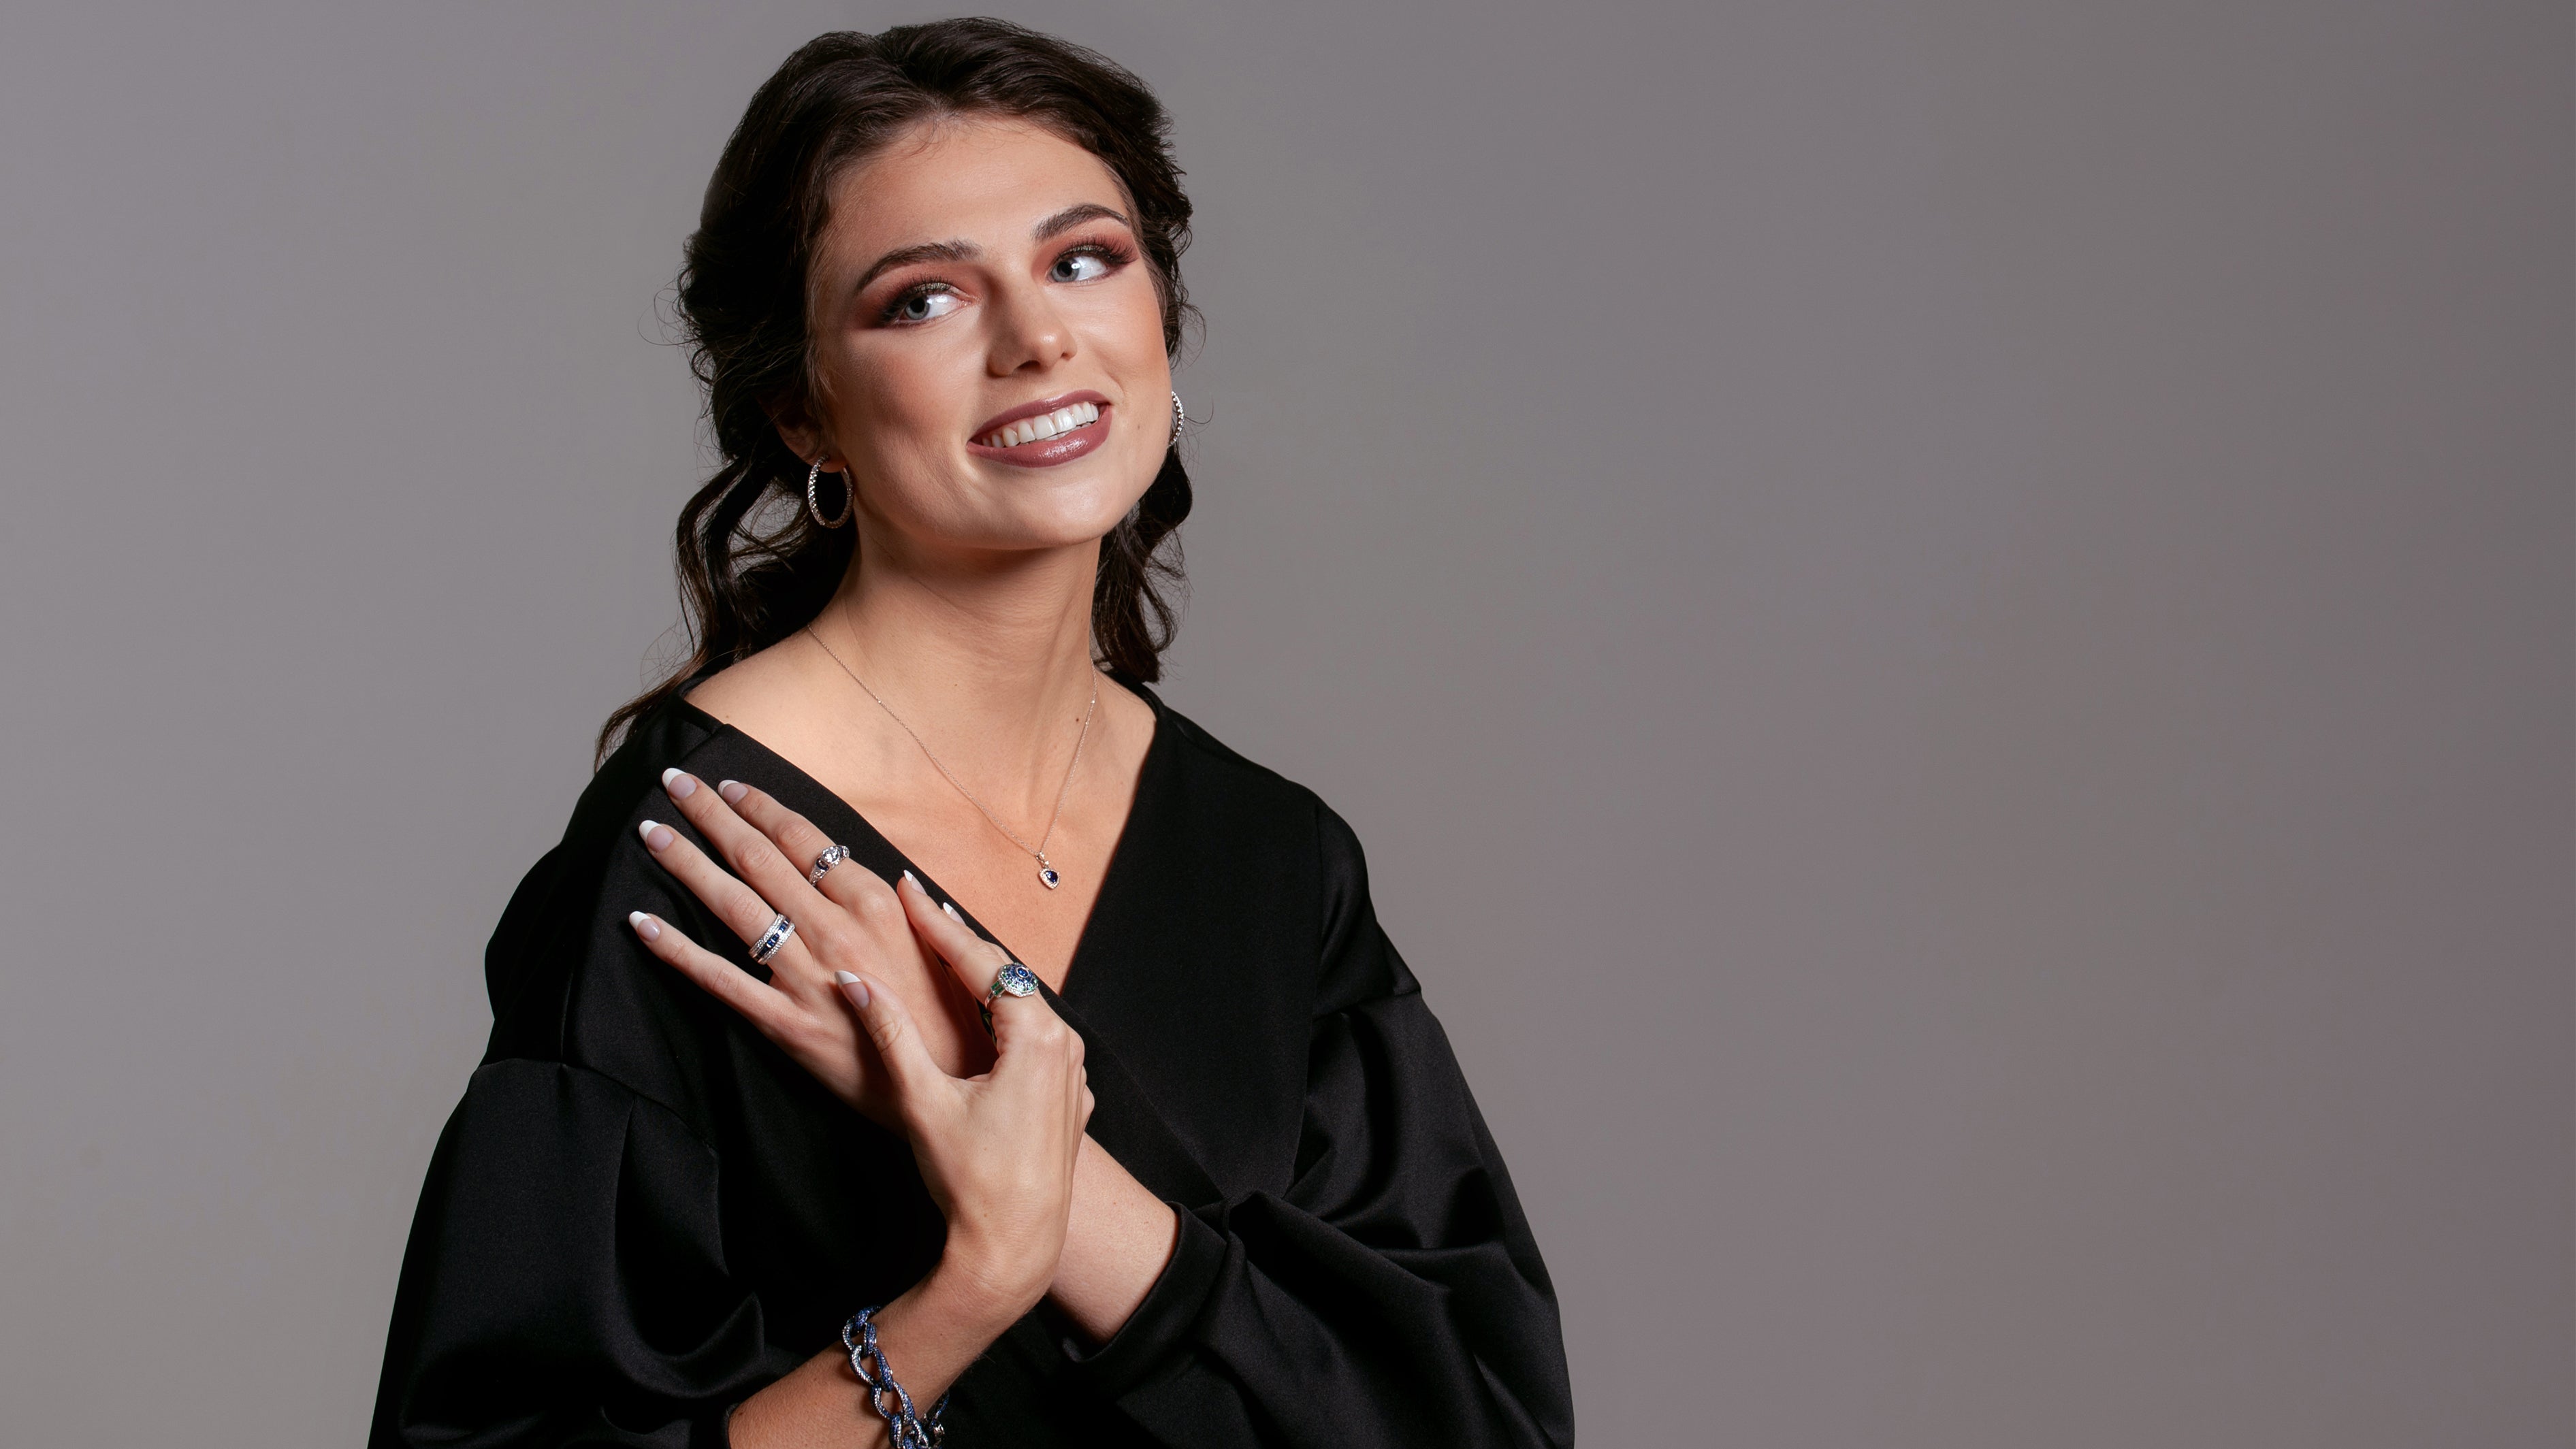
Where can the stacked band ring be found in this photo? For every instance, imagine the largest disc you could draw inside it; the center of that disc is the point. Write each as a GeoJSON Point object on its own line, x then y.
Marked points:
{"type": "Point", "coordinates": [832, 855]}
{"type": "Point", "coordinates": [770, 940]}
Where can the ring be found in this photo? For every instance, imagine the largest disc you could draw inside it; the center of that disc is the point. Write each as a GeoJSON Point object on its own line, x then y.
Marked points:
{"type": "Point", "coordinates": [1013, 979]}
{"type": "Point", "coordinates": [775, 937]}
{"type": "Point", "coordinates": [832, 855]}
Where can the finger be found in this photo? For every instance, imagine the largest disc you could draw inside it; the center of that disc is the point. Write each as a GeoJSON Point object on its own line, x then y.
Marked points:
{"type": "Point", "coordinates": [763, 1005]}
{"type": "Point", "coordinates": [970, 958]}
{"type": "Point", "coordinates": [741, 908]}
{"type": "Point", "coordinates": [755, 858]}
{"type": "Point", "coordinates": [976, 961]}
{"type": "Point", "coordinates": [898, 1040]}
{"type": "Point", "coordinates": [795, 836]}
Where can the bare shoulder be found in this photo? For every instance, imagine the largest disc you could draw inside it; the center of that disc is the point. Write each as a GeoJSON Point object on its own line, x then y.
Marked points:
{"type": "Point", "coordinates": [776, 698]}
{"type": "Point", "coordinates": [1127, 714]}
{"type": "Point", "coordinates": [738, 692]}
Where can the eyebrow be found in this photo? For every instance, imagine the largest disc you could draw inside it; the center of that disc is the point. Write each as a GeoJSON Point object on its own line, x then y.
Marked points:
{"type": "Point", "coordinates": [966, 251]}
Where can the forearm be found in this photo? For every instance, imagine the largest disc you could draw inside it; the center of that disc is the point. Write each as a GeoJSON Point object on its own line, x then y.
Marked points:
{"type": "Point", "coordinates": [1117, 1239]}
{"type": "Point", "coordinates": [930, 1333]}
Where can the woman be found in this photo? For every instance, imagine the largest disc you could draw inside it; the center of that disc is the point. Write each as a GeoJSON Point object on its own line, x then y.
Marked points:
{"type": "Point", "coordinates": [743, 1135]}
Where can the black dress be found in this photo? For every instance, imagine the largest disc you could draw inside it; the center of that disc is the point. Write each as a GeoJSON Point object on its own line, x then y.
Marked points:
{"type": "Point", "coordinates": [643, 1212]}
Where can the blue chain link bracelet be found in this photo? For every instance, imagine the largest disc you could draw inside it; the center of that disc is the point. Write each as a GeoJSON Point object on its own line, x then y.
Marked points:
{"type": "Point", "coordinates": [903, 1425]}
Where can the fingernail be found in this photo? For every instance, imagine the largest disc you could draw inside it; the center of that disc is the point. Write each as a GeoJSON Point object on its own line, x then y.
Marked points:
{"type": "Point", "coordinates": [914, 881]}
{"type": "Point", "coordinates": [646, 830]}
{"type": "Point", "coordinates": [858, 989]}
{"type": "Point", "coordinates": [645, 926]}
{"type": "Point", "coordinates": [733, 791]}
{"type": "Point", "coordinates": [951, 908]}
{"type": "Point", "coordinates": [681, 786]}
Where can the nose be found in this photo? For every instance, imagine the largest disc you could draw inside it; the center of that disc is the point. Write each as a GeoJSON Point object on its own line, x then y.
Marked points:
{"type": "Point", "coordinates": [1029, 334]}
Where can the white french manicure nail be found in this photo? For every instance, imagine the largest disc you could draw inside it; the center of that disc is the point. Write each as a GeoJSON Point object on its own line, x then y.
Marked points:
{"type": "Point", "coordinates": [682, 790]}
{"type": "Point", "coordinates": [916, 880]}
{"type": "Point", "coordinates": [845, 978]}
{"type": "Point", "coordinates": [951, 908]}
{"type": "Point", "coordinates": [645, 926]}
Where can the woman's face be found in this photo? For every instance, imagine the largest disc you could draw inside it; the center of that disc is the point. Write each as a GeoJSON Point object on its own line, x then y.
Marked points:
{"type": "Point", "coordinates": [988, 347]}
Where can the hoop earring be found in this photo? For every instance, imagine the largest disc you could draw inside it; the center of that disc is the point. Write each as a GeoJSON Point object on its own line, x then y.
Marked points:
{"type": "Point", "coordinates": [814, 505]}
{"type": "Point", "coordinates": [1178, 417]}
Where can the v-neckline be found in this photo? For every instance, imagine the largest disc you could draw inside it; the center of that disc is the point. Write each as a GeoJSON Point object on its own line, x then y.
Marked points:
{"type": "Point", "coordinates": [1110, 877]}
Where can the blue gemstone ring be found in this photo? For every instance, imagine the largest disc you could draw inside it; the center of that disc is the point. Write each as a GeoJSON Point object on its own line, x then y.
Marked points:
{"type": "Point", "coordinates": [771, 939]}
{"type": "Point", "coordinates": [1012, 980]}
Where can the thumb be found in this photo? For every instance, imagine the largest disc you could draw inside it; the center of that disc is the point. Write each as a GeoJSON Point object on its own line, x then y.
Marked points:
{"type": "Point", "coordinates": [890, 1027]}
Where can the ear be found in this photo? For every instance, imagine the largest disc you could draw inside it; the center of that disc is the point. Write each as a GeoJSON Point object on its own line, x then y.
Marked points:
{"type": "Point", "coordinates": [796, 429]}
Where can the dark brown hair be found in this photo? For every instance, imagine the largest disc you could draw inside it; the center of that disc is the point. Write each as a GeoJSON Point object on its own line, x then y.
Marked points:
{"type": "Point", "coordinates": [746, 584]}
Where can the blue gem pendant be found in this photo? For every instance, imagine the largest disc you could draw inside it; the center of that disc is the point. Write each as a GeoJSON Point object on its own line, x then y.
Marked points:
{"type": "Point", "coordinates": [1047, 873]}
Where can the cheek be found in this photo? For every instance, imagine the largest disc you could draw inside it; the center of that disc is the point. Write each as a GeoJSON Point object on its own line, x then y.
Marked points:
{"type": "Point", "coordinates": [891, 401]}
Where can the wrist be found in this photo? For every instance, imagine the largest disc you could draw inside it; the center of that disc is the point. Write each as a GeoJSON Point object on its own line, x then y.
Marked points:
{"type": "Point", "coordinates": [982, 1288]}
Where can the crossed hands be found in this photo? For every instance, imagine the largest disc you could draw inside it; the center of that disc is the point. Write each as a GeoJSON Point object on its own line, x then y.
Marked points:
{"type": "Point", "coordinates": [876, 994]}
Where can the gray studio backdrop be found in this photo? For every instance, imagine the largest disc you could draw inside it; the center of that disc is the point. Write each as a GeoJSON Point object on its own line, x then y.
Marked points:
{"type": "Point", "coordinates": [1949, 626]}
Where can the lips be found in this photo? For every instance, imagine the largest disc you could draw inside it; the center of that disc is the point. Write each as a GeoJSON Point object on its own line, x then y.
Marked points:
{"type": "Point", "coordinates": [1044, 433]}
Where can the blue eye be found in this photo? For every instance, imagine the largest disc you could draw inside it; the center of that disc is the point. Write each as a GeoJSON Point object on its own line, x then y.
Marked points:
{"type": "Point", "coordinates": [924, 305]}
{"type": "Point", "coordinates": [1079, 266]}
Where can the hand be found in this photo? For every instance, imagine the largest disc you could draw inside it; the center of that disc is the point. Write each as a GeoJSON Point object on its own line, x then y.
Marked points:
{"type": "Point", "coordinates": [851, 923]}
{"type": "Point", "coordinates": [997, 1150]}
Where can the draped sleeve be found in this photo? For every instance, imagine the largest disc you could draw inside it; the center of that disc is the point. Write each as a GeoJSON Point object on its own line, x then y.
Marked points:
{"type": "Point", "coordinates": [1393, 1294]}
{"type": "Point", "coordinates": [565, 1283]}
{"type": "Point", "coordinates": [641, 1212]}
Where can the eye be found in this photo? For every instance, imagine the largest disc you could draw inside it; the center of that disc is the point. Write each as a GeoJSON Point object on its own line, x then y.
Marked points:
{"type": "Point", "coordinates": [923, 304]}
{"type": "Point", "coordinates": [1080, 265]}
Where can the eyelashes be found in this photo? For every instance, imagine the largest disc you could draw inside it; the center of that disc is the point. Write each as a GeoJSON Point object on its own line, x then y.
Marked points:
{"type": "Point", "coordinates": [906, 308]}
{"type": "Point", "coordinates": [931, 300]}
{"type": "Point", "coordinates": [1114, 254]}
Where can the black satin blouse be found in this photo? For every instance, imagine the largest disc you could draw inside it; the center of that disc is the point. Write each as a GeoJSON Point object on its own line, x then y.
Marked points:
{"type": "Point", "coordinates": [643, 1211]}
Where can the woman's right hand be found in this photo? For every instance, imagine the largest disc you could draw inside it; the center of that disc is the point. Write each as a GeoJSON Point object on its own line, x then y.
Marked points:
{"type": "Point", "coordinates": [996, 1149]}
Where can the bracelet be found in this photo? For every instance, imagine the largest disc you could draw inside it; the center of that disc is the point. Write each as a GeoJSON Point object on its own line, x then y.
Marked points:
{"type": "Point", "coordinates": [904, 1427]}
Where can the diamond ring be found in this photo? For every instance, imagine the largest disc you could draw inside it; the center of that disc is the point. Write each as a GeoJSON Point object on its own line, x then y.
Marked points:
{"type": "Point", "coordinates": [770, 940]}
{"type": "Point", "coordinates": [832, 855]}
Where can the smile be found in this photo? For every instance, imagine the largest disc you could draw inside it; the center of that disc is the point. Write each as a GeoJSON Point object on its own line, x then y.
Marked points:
{"type": "Point", "coordinates": [1044, 433]}
{"type": "Point", "coordinates": [1043, 426]}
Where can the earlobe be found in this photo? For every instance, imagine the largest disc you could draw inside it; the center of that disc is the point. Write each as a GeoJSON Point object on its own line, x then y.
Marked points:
{"type": "Point", "coordinates": [798, 433]}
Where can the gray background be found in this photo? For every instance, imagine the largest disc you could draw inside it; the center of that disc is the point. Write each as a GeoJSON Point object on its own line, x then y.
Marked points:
{"type": "Point", "coordinates": [1950, 627]}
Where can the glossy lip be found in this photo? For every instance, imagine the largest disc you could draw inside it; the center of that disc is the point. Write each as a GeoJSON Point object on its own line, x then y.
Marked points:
{"type": "Point", "coordinates": [1045, 452]}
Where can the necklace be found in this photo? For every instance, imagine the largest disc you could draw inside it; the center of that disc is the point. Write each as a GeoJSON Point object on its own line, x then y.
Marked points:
{"type": "Point", "coordinates": [1046, 872]}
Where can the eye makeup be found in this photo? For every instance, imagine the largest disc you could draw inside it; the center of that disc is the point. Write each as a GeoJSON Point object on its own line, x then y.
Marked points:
{"type": "Point", "coordinates": [1114, 253]}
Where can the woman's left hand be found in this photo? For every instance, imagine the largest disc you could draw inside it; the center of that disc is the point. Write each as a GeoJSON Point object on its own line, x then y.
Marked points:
{"type": "Point", "coordinates": [851, 922]}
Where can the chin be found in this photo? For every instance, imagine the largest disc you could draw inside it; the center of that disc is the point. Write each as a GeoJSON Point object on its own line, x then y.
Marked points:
{"type": "Point", "coordinates": [1055, 513]}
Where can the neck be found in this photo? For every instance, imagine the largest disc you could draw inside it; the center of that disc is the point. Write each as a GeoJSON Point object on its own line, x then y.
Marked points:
{"type": "Point", "coordinates": [987, 658]}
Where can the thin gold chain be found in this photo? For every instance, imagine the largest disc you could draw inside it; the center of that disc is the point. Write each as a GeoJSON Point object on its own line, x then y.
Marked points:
{"type": "Point", "coordinates": [1039, 849]}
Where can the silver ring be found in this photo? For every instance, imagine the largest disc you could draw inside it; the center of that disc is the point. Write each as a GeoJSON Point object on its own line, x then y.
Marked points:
{"type": "Point", "coordinates": [832, 855]}
{"type": "Point", "coordinates": [1013, 979]}
{"type": "Point", "coordinates": [775, 937]}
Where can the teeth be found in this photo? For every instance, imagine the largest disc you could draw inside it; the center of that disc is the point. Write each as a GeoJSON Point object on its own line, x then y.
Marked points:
{"type": "Point", "coordinates": [1045, 425]}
